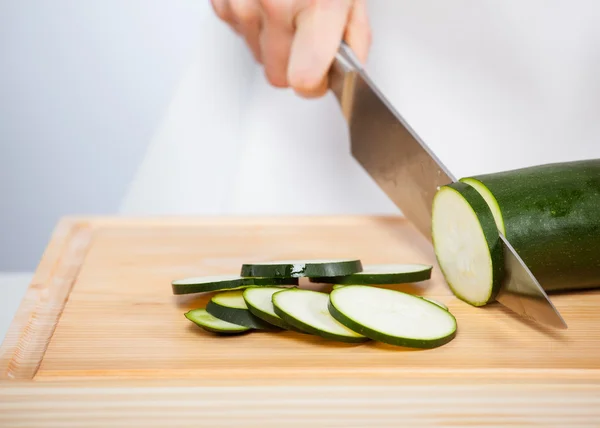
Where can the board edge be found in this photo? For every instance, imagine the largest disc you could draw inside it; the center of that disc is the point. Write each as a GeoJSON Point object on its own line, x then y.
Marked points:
{"type": "Point", "coordinates": [35, 320]}
{"type": "Point", "coordinates": [413, 403]}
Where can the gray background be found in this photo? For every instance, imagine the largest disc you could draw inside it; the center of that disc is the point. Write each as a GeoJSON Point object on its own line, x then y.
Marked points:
{"type": "Point", "coordinates": [83, 85]}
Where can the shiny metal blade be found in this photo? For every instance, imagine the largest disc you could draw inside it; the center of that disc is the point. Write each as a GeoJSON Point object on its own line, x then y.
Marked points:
{"type": "Point", "coordinates": [410, 174]}
{"type": "Point", "coordinates": [522, 294]}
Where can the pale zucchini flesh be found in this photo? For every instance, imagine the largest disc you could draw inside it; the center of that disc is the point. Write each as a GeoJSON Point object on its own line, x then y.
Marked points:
{"type": "Point", "coordinates": [435, 302]}
{"type": "Point", "coordinates": [392, 317]}
{"type": "Point", "coordinates": [467, 244]}
{"type": "Point", "coordinates": [215, 325]}
{"type": "Point", "coordinates": [259, 301]}
{"type": "Point", "coordinates": [307, 310]}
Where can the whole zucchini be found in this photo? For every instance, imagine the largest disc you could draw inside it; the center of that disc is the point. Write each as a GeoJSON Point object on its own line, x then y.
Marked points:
{"type": "Point", "coordinates": [551, 215]}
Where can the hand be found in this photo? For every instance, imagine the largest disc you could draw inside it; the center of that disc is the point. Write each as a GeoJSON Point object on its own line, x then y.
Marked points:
{"type": "Point", "coordinates": [296, 40]}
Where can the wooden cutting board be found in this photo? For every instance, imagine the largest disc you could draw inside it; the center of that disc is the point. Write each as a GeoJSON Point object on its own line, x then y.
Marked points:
{"type": "Point", "coordinates": [100, 317]}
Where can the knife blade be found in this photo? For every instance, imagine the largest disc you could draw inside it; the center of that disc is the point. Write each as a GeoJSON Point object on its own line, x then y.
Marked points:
{"type": "Point", "coordinates": [410, 174]}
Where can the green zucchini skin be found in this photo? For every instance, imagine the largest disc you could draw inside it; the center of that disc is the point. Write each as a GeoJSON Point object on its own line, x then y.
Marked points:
{"type": "Point", "coordinates": [302, 268]}
{"type": "Point", "coordinates": [202, 319]}
{"type": "Point", "coordinates": [379, 337]}
{"type": "Point", "coordinates": [242, 317]}
{"type": "Point", "coordinates": [374, 278]}
{"type": "Point", "coordinates": [551, 215]}
{"type": "Point", "coordinates": [336, 309]}
{"type": "Point", "coordinates": [258, 312]}
{"type": "Point", "coordinates": [189, 286]}
{"type": "Point", "coordinates": [278, 322]}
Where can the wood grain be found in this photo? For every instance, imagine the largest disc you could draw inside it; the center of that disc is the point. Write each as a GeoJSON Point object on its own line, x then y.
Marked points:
{"type": "Point", "coordinates": [101, 341]}
{"type": "Point", "coordinates": [29, 334]}
{"type": "Point", "coordinates": [438, 402]}
{"type": "Point", "coordinates": [121, 320]}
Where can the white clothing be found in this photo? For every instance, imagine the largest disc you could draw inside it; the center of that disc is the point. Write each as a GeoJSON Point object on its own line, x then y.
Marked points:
{"type": "Point", "coordinates": [489, 85]}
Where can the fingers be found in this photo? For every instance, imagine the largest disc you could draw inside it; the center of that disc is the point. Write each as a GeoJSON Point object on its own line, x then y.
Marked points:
{"type": "Point", "coordinates": [276, 40]}
{"type": "Point", "coordinates": [319, 31]}
{"type": "Point", "coordinates": [223, 10]}
{"type": "Point", "coordinates": [248, 17]}
{"type": "Point", "coordinates": [358, 31]}
{"type": "Point", "coordinates": [297, 40]}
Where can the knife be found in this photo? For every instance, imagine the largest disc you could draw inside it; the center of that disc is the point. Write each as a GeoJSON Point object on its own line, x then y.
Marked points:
{"type": "Point", "coordinates": [410, 174]}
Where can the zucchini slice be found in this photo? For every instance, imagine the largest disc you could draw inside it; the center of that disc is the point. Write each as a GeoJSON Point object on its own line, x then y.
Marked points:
{"type": "Point", "coordinates": [489, 199]}
{"type": "Point", "coordinates": [435, 302]}
{"type": "Point", "coordinates": [230, 306]}
{"type": "Point", "coordinates": [392, 317]}
{"type": "Point", "coordinates": [215, 325]}
{"type": "Point", "coordinates": [382, 274]}
{"type": "Point", "coordinates": [301, 268]}
{"type": "Point", "coordinates": [307, 311]}
{"type": "Point", "coordinates": [467, 244]}
{"type": "Point", "coordinates": [551, 216]}
{"type": "Point", "coordinates": [224, 282]}
{"type": "Point", "coordinates": [259, 301]}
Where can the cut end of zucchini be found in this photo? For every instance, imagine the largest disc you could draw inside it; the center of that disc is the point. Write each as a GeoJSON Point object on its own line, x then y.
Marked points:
{"type": "Point", "coordinates": [392, 317]}
{"type": "Point", "coordinates": [489, 198]}
{"type": "Point", "coordinates": [213, 324]}
{"type": "Point", "coordinates": [467, 243]}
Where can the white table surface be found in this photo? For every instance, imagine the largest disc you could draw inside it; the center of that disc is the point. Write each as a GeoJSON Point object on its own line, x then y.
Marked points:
{"type": "Point", "coordinates": [12, 291]}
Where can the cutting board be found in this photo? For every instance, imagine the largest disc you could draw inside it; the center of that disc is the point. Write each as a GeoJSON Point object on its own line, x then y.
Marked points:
{"type": "Point", "coordinates": [100, 317]}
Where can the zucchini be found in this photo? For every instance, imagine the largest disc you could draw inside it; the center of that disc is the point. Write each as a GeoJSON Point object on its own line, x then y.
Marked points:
{"type": "Point", "coordinates": [467, 244]}
{"type": "Point", "coordinates": [307, 311]}
{"type": "Point", "coordinates": [260, 304]}
{"type": "Point", "coordinates": [301, 268]}
{"type": "Point", "coordinates": [224, 282]}
{"type": "Point", "coordinates": [392, 317]}
{"type": "Point", "coordinates": [381, 274]}
{"type": "Point", "coordinates": [551, 216]}
{"type": "Point", "coordinates": [435, 302]}
{"type": "Point", "coordinates": [215, 325]}
{"type": "Point", "coordinates": [230, 306]}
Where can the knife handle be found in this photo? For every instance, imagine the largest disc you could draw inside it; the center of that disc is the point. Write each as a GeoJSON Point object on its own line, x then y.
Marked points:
{"type": "Point", "coordinates": [342, 75]}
